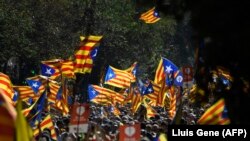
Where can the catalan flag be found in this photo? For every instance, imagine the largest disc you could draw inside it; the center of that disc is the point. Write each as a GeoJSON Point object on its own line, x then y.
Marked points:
{"type": "Point", "coordinates": [46, 123]}
{"type": "Point", "coordinates": [172, 104]}
{"type": "Point", "coordinates": [6, 86]}
{"type": "Point", "coordinates": [133, 69]}
{"type": "Point", "coordinates": [115, 110]}
{"type": "Point", "coordinates": [165, 67]}
{"type": "Point", "coordinates": [35, 85]}
{"type": "Point", "coordinates": [118, 78]}
{"type": "Point", "coordinates": [50, 71]}
{"type": "Point", "coordinates": [62, 99]}
{"type": "Point", "coordinates": [154, 96]}
{"type": "Point", "coordinates": [53, 90]}
{"type": "Point", "coordinates": [136, 100]}
{"type": "Point", "coordinates": [99, 93]}
{"type": "Point", "coordinates": [7, 119]}
{"type": "Point", "coordinates": [150, 111]}
{"type": "Point", "coordinates": [36, 108]}
{"type": "Point", "coordinates": [215, 115]}
{"type": "Point", "coordinates": [67, 69]}
{"type": "Point", "coordinates": [151, 16]}
{"type": "Point", "coordinates": [25, 93]}
{"type": "Point", "coordinates": [85, 55]}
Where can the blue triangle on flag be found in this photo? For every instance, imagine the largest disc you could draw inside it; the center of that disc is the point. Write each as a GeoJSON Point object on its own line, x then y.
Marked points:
{"type": "Point", "coordinates": [224, 113]}
{"type": "Point", "coordinates": [169, 67]}
{"type": "Point", "coordinates": [47, 71]}
{"type": "Point", "coordinates": [110, 74]}
{"type": "Point", "coordinates": [35, 85]}
{"type": "Point", "coordinates": [92, 92]}
{"type": "Point", "coordinates": [15, 96]}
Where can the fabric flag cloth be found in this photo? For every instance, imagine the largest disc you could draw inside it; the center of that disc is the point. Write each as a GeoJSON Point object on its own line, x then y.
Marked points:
{"type": "Point", "coordinates": [165, 67]}
{"type": "Point", "coordinates": [47, 123]}
{"type": "Point", "coordinates": [100, 95]}
{"type": "Point", "coordinates": [25, 93]}
{"type": "Point", "coordinates": [85, 55]}
{"type": "Point", "coordinates": [61, 67]}
{"type": "Point", "coordinates": [150, 111]}
{"type": "Point", "coordinates": [67, 69]}
{"type": "Point", "coordinates": [153, 97]}
{"type": "Point", "coordinates": [172, 104]}
{"type": "Point", "coordinates": [6, 87]}
{"type": "Point", "coordinates": [62, 99]}
{"type": "Point", "coordinates": [7, 119]}
{"type": "Point", "coordinates": [133, 69]}
{"type": "Point", "coordinates": [118, 78]}
{"type": "Point", "coordinates": [146, 87]}
{"type": "Point", "coordinates": [47, 70]}
{"type": "Point", "coordinates": [35, 85]}
{"type": "Point", "coordinates": [178, 81]}
{"type": "Point", "coordinates": [215, 115]}
{"type": "Point", "coordinates": [23, 130]}
{"type": "Point", "coordinates": [136, 100]}
{"type": "Point", "coordinates": [114, 110]}
{"type": "Point", "coordinates": [36, 108]}
{"type": "Point", "coordinates": [151, 16]}
{"type": "Point", "coordinates": [54, 87]}
{"type": "Point", "coordinates": [42, 79]}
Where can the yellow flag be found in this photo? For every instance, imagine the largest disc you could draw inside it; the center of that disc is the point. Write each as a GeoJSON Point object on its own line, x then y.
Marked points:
{"type": "Point", "coordinates": [23, 130]}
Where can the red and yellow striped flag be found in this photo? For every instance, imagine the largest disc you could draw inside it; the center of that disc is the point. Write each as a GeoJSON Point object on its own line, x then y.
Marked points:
{"type": "Point", "coordinates": [106, 95]}
{"type": "Point", "coordinates": [215, 115]}
{"type": "Point", "coordinates": [54, 64]}
{"type": "Point", "coordinates": [151, 16]}
{"type": "Point", "coordinates": [150, 111]}
{"type": "Point", "coordinates": [47, 123]}
{"type": "Point", "coordinates": [67, 69]}
{"type": "Point", "coordinates": [26, 92]}
{"type": "Point", "coordinates": [118, 78]}
{"type": "Point", "coordinates": [86, 53]}
{"type": "Point", "coordinates": [6, 87]}
{"type": "Point", "coordinates": [153, 97]}
{"type": "Point", "coordinates": [136, 100]}
{"type": "Point", "coordinates": [172, 107]}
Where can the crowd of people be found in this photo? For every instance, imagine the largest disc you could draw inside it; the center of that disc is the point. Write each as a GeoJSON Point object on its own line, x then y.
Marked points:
{"type": "Point", "coordinates": [103, 125]}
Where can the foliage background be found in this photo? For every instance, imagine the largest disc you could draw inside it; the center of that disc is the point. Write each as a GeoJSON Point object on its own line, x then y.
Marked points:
{"type": "Point", "coordinates": [40, 30]}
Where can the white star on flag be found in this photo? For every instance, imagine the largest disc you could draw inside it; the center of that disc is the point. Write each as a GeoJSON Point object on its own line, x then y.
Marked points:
{"type": "Point", "coordinates": [94, 92]}
{"type": "Point", "coordinates": [134, 71]}
{"type": "Point", "coordinates": [150, 90]}
{"type": "Point", "coordinates": [15, 93]}
{"type": "Point", "coordinates": [48, 71]}
{"type": "Point", "coordinates": [168, 69]}
{"type": "Point", "coordinates": [110, 75]}
{"type": "Point", "coordinates": [35, 85]}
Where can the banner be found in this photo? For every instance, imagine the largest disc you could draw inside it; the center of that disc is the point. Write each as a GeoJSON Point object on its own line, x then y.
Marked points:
{"type": "Point", "coordinates": [79, 118]}
{"type": "Point", "coordinates": [130, 132]}
{"type": "Point", "coordinates": [187, 72]}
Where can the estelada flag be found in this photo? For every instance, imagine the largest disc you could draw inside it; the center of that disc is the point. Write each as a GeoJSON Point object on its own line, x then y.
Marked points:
{"type": "Point", "coordinates": [130, 132]}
